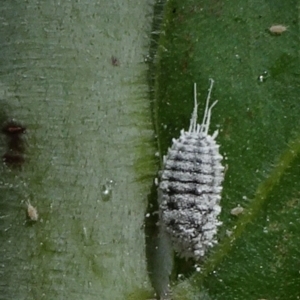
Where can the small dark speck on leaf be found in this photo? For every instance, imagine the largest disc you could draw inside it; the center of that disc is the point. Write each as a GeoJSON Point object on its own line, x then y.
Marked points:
{"type": "Point", "coordinates": [114, 61]}
{"type": "Point", "coordinates": [13, 160]}
{"type": "Point", "coordinates": [12, 128]}
{"type": "Point", "coordinates": [16, 144]}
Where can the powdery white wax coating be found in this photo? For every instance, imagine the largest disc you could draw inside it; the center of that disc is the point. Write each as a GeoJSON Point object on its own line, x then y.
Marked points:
{"type": "Point", "coordinates": [190, 188]}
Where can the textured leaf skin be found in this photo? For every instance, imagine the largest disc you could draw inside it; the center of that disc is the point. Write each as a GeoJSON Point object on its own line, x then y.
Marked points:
{"type": "Point", "coordinates": [73, 77]}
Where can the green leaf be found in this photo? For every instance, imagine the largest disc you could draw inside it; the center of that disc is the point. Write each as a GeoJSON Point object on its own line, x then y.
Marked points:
{"type": "Point", "coordinates": [257, 84]}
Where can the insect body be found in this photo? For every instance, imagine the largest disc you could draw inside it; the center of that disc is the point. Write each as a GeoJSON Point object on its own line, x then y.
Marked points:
{"type": "Point", "coordinates": [190, 187]}
{"type": "Point", "coordinates": [277, 29]}
{"type": "Point", "coordinates": [32, 212]}
{"type": "Point", "coordinates": [237, 210]}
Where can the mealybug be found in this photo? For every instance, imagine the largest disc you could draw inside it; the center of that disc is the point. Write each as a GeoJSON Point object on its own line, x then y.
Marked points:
{"type": "Point", "coordinates": [32, 212]}
{"type": "Point", "coordinates": [190, 187]}
{"type": "Point", "coordinates": [277, 29]}
{"type": "Point", "coordinates": [237, 210]}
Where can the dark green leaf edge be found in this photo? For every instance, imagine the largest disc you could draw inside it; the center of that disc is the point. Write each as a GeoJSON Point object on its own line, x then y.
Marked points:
{"type": "Point", "coordinates": [261, 195]}
{"type": "Point", "coordinates": [189, 288]}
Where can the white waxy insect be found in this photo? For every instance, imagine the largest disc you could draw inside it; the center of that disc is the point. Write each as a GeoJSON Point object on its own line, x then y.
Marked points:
{"type": "Point", "coordinates": [277, 29]}
{"type": "Point", "coordinates": [237, 210]}
{"type": "Point", "coordinates": [32, 212]}
{"type": "Point", "coordinates": [190, 187]}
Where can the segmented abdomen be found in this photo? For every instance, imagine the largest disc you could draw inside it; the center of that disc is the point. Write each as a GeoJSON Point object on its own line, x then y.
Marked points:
{"type": "Point", "coordinates": [189, 193]}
